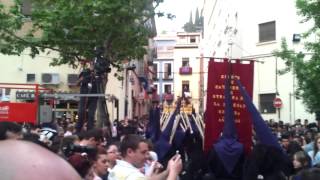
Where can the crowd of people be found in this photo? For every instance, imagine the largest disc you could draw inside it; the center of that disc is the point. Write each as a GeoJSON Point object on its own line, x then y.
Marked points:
{"type": "Point", "coordinates": [125, 154]}
{"type": "Point", "coordinates": [94, 153]}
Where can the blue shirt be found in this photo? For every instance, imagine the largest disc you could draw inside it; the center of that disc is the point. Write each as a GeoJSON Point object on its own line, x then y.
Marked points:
{"type": "Point", "coordinates": [315, 159]}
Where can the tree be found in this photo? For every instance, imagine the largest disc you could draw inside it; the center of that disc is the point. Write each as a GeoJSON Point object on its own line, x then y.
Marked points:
{"type": "Point", "coordinates": [306, 67]}
{"type": "Point", "coordinates": [74, 28]}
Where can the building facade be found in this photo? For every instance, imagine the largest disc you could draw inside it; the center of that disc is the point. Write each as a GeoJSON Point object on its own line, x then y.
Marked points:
{"type": "Point", "coordinates": [233, 30]}
{"type": "Point", "coordinates": [163, 67]}
{"type": "Point", "coordinates": [187, 67]}
{"type": "Point", "coordinates": [26, 70]}
{"type": "Point", "coordinates": [122, 95]}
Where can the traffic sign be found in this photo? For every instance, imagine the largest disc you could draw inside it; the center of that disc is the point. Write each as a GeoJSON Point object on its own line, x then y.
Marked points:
{"type": "Point", "coordinates": [277, 103]}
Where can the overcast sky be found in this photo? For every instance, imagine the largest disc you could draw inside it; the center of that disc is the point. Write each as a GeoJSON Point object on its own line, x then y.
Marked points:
{"type": "Point", "coordinates": [180, 8]}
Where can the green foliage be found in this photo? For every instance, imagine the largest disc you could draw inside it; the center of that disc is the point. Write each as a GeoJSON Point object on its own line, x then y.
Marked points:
{"type": "Point", "coordinates": [306, 67]}
{"type": "Point", "coordinates": [74, 28]}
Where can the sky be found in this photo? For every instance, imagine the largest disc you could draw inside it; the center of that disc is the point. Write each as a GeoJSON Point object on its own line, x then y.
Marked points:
{"type": "Point", "coordinates": [180, 8]}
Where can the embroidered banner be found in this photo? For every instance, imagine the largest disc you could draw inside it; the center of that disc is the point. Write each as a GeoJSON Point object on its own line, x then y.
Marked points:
{"type": "Point", "coordinates": [214, 115]}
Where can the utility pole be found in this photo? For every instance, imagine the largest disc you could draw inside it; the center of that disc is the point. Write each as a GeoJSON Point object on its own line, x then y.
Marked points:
{"type": "Point", "coordinates": [277, 91]}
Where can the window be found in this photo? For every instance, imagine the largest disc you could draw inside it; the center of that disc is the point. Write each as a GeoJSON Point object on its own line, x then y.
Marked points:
{"type": "Point", "coordinates": [185, 86]}
{"type": "Point", "coordinates": [186, 89]}
{"type": "Point", "coordinates": [72, 79]}
{"type": "Point", "coordinates": [167, 70]}
{"type": "Point", "coordinates": [31, 78]}
{"type": "Point", "coordinates": [155, 71]}
{"type": "Point", "coordinates": [266, 103]}
{"type": "Point", "coordinates": [192, 39]}
{"type": "Point", "coordinates": [185, 62]}
{"type": "Point", "coordinates": [6, 91]}
{"type": "Point", "coordinates": [170, 48]}
{"type": "Point", "coordinates": [167, 88]}
{"type": "Point", "coordinates": [155, 87]}
{"type": "Point", "coordinates": [26, 7]}
{"type": "Point", "coordinates": [267, 31]}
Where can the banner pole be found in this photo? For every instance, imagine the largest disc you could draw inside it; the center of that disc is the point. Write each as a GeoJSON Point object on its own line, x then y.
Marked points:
{"type": "Point", "coordinates": [239, 59]}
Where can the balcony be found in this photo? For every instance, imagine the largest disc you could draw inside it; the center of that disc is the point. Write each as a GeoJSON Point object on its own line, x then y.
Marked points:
{"type": "Point", "coordinates": [168, 97]}
{"type": "Point", "coordinates": [155, 98]}
{"type": "Point", "coordinates": [155, 78]}
{"type": "Point", "coordinates": [166, 76]}
{"type": "Point", "coordinates": [185, 70]}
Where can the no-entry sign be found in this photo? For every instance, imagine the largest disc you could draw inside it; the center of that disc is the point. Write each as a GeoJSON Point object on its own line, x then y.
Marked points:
{"type": "Point", "coordinates": [277, 103]}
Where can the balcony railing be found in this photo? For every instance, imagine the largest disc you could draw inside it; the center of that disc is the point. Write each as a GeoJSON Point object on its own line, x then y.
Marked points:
{"type": "Point", "coordinates": [185, 70]}
{"type": "Point", "coordinates": [167, 76]}
{"type": "Point", "coordinates": [168, 97]}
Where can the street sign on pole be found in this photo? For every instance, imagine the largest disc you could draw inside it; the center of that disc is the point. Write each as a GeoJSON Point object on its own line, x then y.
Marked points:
{"type": "Point", "coordinates": [277, 103]}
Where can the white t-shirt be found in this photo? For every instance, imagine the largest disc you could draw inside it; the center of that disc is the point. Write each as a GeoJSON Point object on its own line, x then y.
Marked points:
{"type": "Point", "coordinates": [125, 171]}
{"type": "Point", "coordinates": [67, 133]}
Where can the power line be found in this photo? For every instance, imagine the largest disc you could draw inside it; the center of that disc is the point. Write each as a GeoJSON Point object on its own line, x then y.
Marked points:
{"type": "Point", "coordinates": [182, 73]}
{"type": "Point", "coordinates": [235, 59]}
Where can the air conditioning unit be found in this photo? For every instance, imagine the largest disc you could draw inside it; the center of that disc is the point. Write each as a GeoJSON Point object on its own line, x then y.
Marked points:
{"type": "Point", "coordinates": [50, 78]}
{"type": "Point", "coordinates": [72, 79]}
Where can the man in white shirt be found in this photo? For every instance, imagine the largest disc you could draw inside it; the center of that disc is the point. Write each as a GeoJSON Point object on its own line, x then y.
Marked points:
{"type": "Point", "coordinates": [135, 152]}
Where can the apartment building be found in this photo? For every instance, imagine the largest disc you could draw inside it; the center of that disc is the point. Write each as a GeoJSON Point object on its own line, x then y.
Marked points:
{"type": "Point", "coordinates": [187, 67]}
{"type": "Point", "coordinates": [252, 29]}
{"type": "Point", "coordinates": [121, 93]}
{"type": "Point", "coordinates": [163, 67]}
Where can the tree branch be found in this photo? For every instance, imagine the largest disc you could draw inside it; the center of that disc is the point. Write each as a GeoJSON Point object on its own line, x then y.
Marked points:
{"type": "Point", "coordinates": [37, 45]}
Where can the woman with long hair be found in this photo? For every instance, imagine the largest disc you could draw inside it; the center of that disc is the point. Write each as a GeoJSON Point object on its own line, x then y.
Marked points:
{"type": "Point", "coordinates": [301, 161]}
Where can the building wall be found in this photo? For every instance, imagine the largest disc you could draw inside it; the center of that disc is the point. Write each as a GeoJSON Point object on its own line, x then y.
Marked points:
{"type": "Point", "coordinates": [185, 49]}
{"type": "Point", "coordinates": [165, 54]}
{"type": "Point", "coordinates": [16, 68]}
{"type": "Point", "coordinates": [121, 91]}
{"type": "Point", "coordinates": [115, 88]}
{"type": "Point", "coordinates": [233, 21]}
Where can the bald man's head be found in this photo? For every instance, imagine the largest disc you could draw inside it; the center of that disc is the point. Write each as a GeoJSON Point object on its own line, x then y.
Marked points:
{"type": "Point", "coordinates": [25, 160]}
